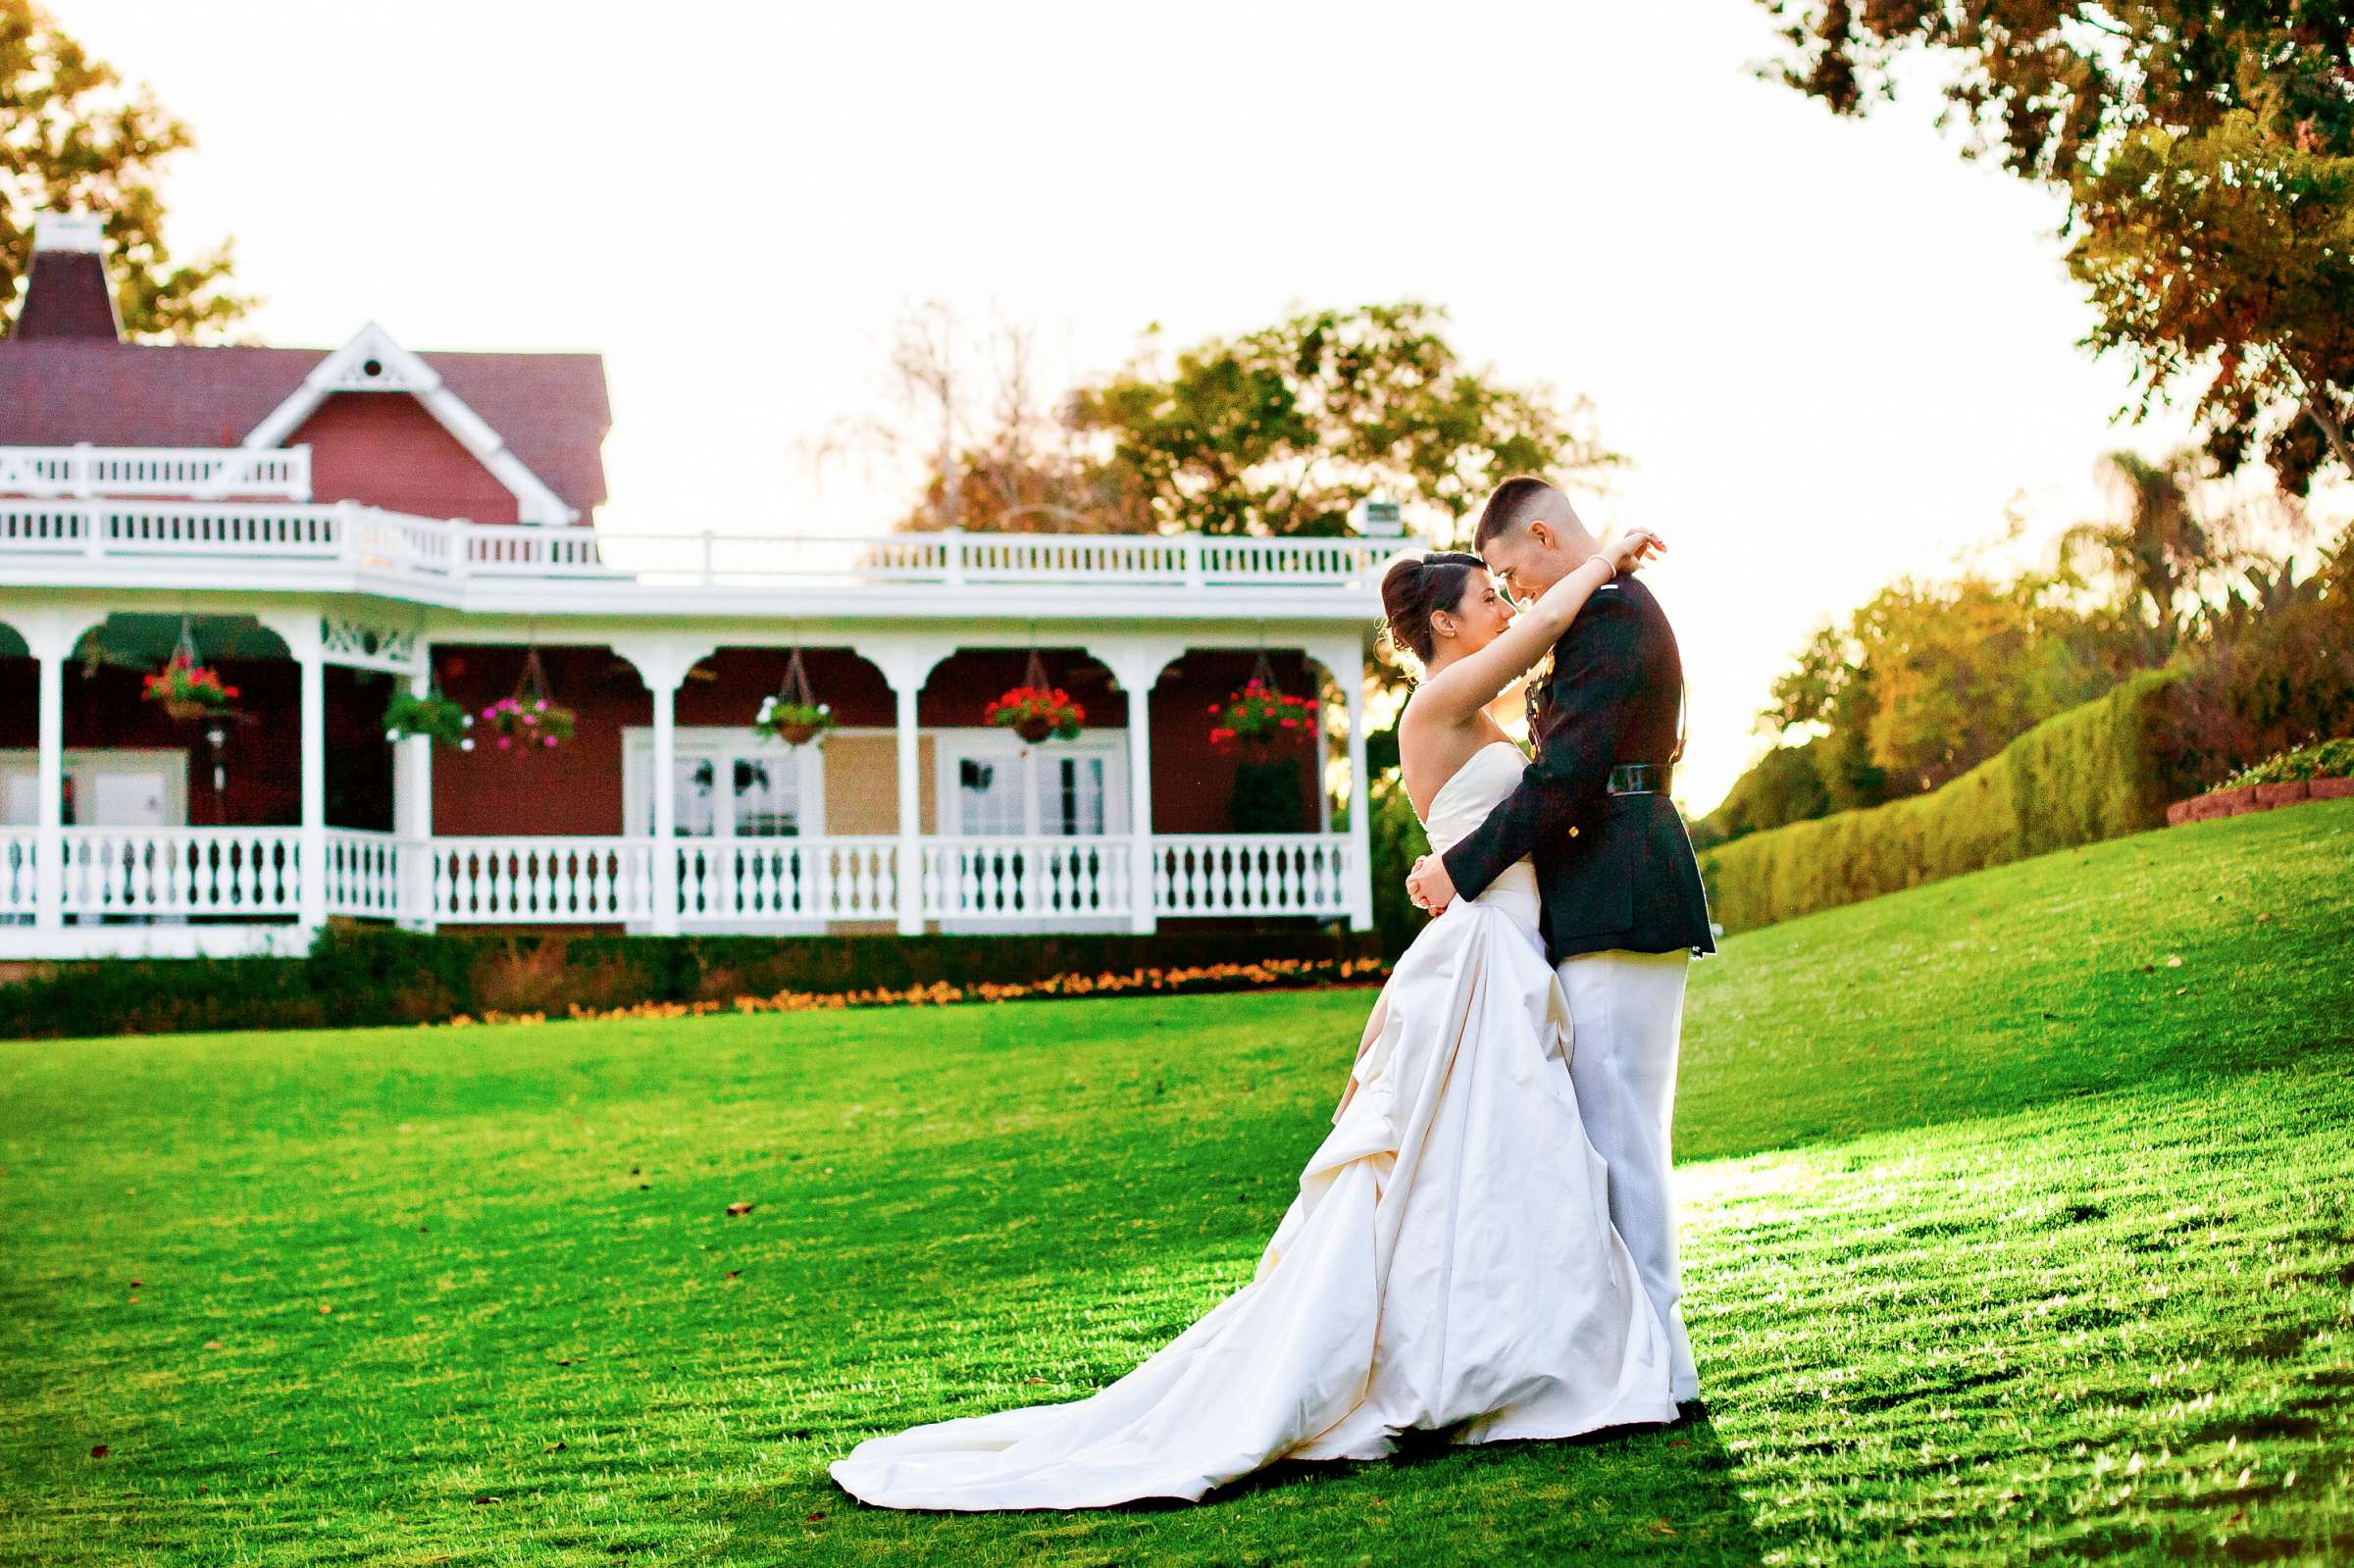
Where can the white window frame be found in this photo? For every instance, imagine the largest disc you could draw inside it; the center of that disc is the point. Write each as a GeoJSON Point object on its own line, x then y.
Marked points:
{"type": "Point", "coordinates": [718, 743]}
{"type": "Point", "coordinates": [83, 765]}
{"type": "Point", "coordinates": [1000, 746]}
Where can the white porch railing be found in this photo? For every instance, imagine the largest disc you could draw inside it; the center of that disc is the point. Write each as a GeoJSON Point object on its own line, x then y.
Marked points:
{"type": "Point", "coordinates": [227, 872]}
{"type": "Point", "coordinates": [1026, 880]}
{"type": "Point", "coordinates": [753, 879]}
{"type": "Point", "coordinates": [1250, 874]}
{"type": "Point", "coordinates": [1032, 884]}
{"type": "Point", "coordinates": [280, 473]}
{"type": "Point", "coordinates": [555, 879]}
{"type": "Point", "coordinates": [225, 544]}
{"type": "Point", "coordinates": [363, 874]}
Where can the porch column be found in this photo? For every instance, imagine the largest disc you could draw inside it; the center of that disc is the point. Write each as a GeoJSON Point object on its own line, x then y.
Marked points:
{"type": "Point", "coordinates": [907, 881]}
{"type": "Point", "coordinates": [413, 810]}
{"type": "Point", "coordinates": [662, 664]}
{"type": "Point", "coordinates": [311, 656]}
{"type": "Point", "coordinates": [51, 645]}
{"type": "Point", "coordinates": [1349, 667]}
{"type": "Point", "coordinates": [907, 667]}
{"type": "Point", "coordinates": [1138, 668]}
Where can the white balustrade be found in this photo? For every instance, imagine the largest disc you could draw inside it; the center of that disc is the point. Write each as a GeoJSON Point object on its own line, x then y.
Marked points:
{"type": "Point", "coordinates": [1027, 879]}
{"type": "Point", "coordinates": [363, 874]}
{"type": "Point", "coordinates": [195, 472]}
{"type": "Point", "coordinates": [345, 544]}
{"type": "Point", "coordinates": [17, 891]}
{"type": "Point", "coordinates": [1250, 874]}
{"type": "Point", "coordinates": [239, 872]}
{"type": "Point", "coordinates": [551, 880]}
{"type": "Point", "coordinates": [742, 880]}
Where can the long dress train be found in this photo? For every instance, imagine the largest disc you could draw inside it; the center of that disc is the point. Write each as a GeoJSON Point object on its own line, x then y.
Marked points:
{"type": "Point", "coordinates": [1449, 1261]}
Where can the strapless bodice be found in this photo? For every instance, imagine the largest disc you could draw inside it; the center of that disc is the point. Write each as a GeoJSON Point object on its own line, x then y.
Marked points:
{"type": "Point", "coordinates": [1463, 802]}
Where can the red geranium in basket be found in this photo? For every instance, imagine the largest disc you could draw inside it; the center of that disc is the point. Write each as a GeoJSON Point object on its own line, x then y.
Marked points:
{"type": "Point", "coordinates": [1036, 712]}
{"type": "Point", "coordinates": [1260, 718]}
{"type": "Point", "coordinates": [188, 689]}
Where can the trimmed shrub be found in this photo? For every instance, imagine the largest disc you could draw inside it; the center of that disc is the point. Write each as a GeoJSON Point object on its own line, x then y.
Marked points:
{"type": "Point", "coordinates": [2095, 772]}
{"type": "Point", "coordinates": [366, 974]}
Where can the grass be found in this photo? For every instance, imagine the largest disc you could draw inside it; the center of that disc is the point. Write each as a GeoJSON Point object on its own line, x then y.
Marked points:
{"type": "Point", "coordinates": [2007, 1239]}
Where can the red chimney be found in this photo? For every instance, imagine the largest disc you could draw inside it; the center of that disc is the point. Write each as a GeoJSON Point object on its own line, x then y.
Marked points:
{"type": "Point", "coordinates": [67, 294]}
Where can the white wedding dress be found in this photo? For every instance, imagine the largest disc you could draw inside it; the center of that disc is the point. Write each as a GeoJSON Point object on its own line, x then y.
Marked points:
{"type": "Point", "coordinates": [1449, 1261]}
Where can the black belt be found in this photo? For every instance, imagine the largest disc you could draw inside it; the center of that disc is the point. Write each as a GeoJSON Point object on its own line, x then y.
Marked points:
{"type": "Point", "coordinates": [1639, 778]}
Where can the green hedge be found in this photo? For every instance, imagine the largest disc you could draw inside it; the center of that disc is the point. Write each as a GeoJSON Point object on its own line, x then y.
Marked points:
{"type": "Point", "coordinates": [369, 975]}
{"type": "Point", "coordinates": [2095, 772]}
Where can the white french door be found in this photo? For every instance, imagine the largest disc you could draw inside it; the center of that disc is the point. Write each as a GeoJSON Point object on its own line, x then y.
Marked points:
{"type": "Point", "coordinates": [990, 786]}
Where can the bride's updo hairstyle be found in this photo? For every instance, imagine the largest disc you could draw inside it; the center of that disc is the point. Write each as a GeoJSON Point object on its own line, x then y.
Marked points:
{"type": "Point", "coordinates": [1415, 586]}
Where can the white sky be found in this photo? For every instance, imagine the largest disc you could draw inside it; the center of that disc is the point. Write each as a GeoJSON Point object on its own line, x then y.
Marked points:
{"type": "Point", "coordinates": [1834, 349]}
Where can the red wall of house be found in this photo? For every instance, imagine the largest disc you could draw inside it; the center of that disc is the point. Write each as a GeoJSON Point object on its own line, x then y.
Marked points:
{"type": "Point", "coordinates": [571, 789]}
{"type": "Point", "coordinates": [964, 685]}
{"type": "Point", "coordinates": [261, 749]}
{"type": "Point", "coordinates": [1190, 779]}
{"type": "Point", "coordinates": [741, 677]}
{"type": "Point", "coordinates": [385, 449]}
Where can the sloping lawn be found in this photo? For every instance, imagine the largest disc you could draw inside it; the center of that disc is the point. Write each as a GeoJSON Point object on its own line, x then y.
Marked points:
{"type": "Point", "coordinates": [2007, 1239]}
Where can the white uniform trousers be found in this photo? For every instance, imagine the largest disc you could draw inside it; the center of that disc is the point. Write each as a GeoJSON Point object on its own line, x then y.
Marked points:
{"type": "Point", "coordinates": [1629, 1013]}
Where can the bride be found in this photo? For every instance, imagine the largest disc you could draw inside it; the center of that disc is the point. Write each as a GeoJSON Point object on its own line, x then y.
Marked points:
{"type": "Point", "coordinates": [1449, 1262]}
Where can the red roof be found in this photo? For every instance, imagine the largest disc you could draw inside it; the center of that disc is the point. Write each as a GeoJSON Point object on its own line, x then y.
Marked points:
{"type": "Point", "coordinates": [550, 409]}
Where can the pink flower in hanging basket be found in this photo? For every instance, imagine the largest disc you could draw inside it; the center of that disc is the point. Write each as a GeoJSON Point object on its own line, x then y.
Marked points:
{"type": "Point", "coordinates": [186, 689]}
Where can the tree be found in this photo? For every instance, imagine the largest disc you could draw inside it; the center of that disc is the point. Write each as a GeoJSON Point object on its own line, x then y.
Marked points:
{"type": "Point", "coordinates": [2207, 152]}
{"type": "Point", "coordinates": [72, 138]}
{"type": "Point", "coordinates": [1285, 430]}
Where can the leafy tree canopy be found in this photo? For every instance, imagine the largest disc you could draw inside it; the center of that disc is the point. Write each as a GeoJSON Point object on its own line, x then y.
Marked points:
{"type": "Point", "coordinates": [73, 138]}
{"type": "Point", "coordinates": [2207, 151]}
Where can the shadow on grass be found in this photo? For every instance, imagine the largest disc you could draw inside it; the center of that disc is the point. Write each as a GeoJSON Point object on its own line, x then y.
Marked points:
{"type": "Point", "coordinates": [1629, 1495]}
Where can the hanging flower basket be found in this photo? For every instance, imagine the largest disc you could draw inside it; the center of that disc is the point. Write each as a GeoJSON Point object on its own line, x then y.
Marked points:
{"type": "Point", "coordinates": [1260, 719]}
{"type": "Point", "coordinates": [797, 724]}
{"type": "Point", "coordinates": [1037, 710]}
{"type": "Point", "coordinates": [530, 719]}
{"type": "Point", "coordinates": [1036, 713]}
{"type": "Point", "coordinates": [792, 714]}
{"type": "Point", "coordinates": [188, 691]}
{"type": "Point", "coordinates": [433, 717]}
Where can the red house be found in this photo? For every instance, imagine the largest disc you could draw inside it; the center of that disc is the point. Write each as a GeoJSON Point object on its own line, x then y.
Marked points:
{"type": "Point", "coordinates": [326, 528]}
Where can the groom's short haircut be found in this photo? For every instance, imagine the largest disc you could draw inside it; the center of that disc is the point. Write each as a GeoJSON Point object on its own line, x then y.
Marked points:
{"type": "Point", "coordinates": [1515, 501]}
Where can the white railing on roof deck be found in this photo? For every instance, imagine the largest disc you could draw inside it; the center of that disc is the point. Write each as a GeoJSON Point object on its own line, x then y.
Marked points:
{"type": "Point", "coordinates": [379, 547]}
{"type": "Point", "coordinates": [196, 472]}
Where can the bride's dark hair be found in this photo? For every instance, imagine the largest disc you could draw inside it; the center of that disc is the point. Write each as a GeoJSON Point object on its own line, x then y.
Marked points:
{"type": "Point", "coordinates": [1415, 585]}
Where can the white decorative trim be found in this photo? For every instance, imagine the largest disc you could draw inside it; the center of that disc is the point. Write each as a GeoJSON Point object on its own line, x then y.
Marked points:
{"type": "Point", "coordinates": [365, 646]}
{"type": "Point", "coordinates": [85, 232]}
{"type": "Point", "coordinates": [373, 362]}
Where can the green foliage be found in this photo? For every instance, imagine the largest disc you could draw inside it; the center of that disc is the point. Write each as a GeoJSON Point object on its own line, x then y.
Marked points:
{"type": "Point", "coordinates": [2106, 768]}
{"type": "Point", "coordinates": [1268, 797]}
{"type": "Point", "coordinates": [1396, 843]}
{"type": "Point", "coordinates": [2207, 153]}
{"type": "Point", "coordinates": [2331, 759]}
{"type": "Point", "coordinates": [2005, 1242]}
{"type": "Point", "coordinates": [1785, 785]}
{"type": "Point", "coordinates": [441, 720]}
{"type": "Point", "coordinates": [74, 140]}
{"type": "Point", "coordinates": [363, 974]}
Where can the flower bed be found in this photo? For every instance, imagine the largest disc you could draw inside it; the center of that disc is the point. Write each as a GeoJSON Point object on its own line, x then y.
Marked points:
{"type": "Point", "coordinates": [2323, 770]}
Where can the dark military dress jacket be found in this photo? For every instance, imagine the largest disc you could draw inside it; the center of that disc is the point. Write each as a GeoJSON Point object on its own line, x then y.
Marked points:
{"type": "Point", "coordinates": [1615, 871]}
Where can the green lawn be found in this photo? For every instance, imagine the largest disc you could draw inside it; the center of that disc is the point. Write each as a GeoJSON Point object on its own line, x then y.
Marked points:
{"type": "Point", "coordinates": [2007, 1239]}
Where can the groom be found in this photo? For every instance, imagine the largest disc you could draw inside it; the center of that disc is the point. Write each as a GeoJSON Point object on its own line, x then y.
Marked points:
{"type": "Point", "coordinates": [1623, 906]}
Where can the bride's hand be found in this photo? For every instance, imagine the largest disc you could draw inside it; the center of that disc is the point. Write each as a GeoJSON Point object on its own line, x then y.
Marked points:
{"type": "Point", "coordinates": [1633, 548]}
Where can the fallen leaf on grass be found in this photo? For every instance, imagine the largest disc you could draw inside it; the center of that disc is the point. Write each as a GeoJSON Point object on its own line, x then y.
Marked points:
{"type": "Point", "coordinates": [735, 1209]}
{"type": "Point", "coordinates": [1660, 1527]}
{"type": "Point", "coordinates": [324, 1310]}
{"type": "Point", "coordinates": [556, 1446]}
{"type": "Point", "coordinates": [213, 1344]}
{"type": "Point", "coordinates": [815, 1517]}
{"type": "Point", "coordinates": [98, 1451]}
{"type": "Point", "coordinates": [481, 1501]}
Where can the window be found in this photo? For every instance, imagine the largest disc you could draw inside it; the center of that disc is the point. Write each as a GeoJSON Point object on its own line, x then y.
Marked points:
{"type": "Point", "coordinates": [729, 784]}
{"type": "Point", "coordinates": [993, 789]}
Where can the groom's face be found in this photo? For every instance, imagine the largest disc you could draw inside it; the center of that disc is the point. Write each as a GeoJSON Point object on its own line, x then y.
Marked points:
{"type": "Point", "coordinates": [1521, 562]}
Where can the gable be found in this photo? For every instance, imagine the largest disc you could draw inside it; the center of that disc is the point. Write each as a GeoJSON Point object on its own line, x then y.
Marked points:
{"type": "Point", "coordinates": [391, 453]}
